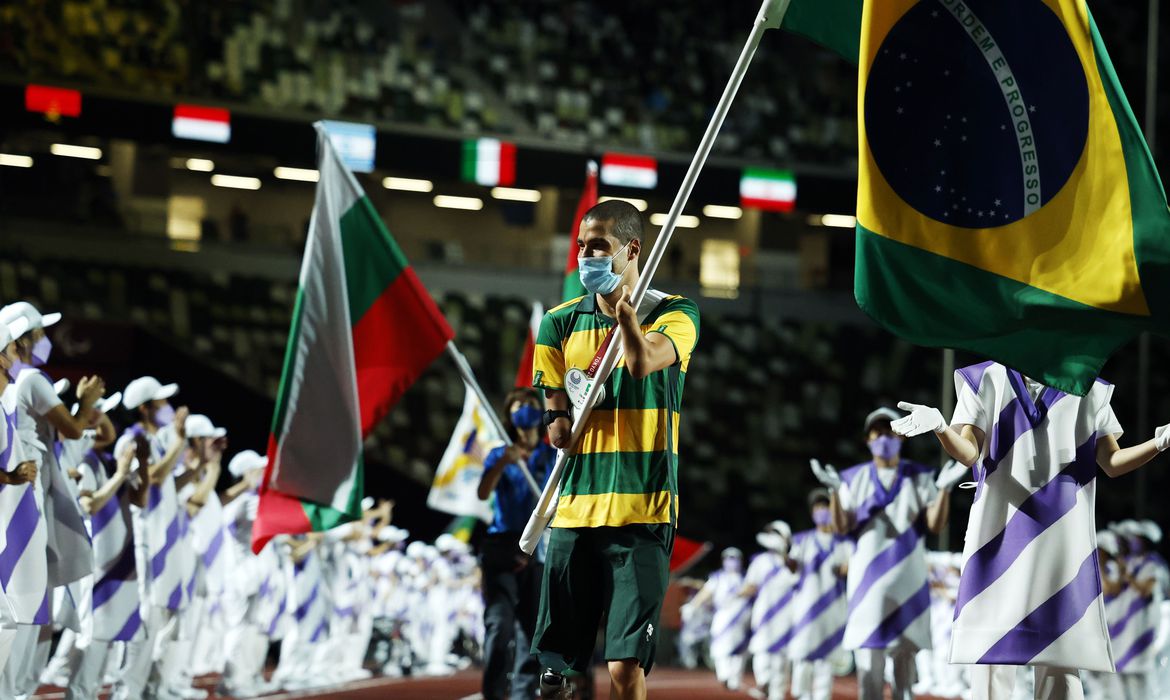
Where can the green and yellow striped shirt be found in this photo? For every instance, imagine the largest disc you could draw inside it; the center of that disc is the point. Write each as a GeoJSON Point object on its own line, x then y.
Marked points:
{"type": "Point", "coordinates": [625, 469]}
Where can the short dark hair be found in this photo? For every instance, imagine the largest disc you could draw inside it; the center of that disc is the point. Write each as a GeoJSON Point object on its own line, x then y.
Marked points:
{"type": "Point", "coordinates": [523, 394]}
{"type": "Point", "coordinates": [627, 220]}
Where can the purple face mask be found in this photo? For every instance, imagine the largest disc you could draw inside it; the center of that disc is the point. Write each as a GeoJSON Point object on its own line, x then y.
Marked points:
{"type": "Point", "coordinates": [822, 516]}
{"type": "Point", "coordinates": [164, 415]}
{"type": "Point", "coordinates": [885, 447]}
{"type": "Point", "coordinates": [41, 351]}
{"type": "Point", "coordinates": [731, 565]}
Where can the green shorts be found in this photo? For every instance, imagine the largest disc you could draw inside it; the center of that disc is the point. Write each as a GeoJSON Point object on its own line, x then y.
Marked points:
{"type": "Point", "coordinates": [616, 574]}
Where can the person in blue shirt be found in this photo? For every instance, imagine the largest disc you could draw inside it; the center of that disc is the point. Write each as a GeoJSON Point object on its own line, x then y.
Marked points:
{"type": "Point", "coordinates": [511, 579]}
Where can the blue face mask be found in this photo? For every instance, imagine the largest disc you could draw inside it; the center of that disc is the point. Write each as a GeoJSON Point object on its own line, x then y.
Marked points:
{"type": "Point", "coordinates": [526, 417]}
{"type": "Point", "coordinates": [597, 274]}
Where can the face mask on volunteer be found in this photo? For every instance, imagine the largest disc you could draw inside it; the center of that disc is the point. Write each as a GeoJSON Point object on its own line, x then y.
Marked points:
{"type": "Point", "coordinates": [41, 351]}
{"type": "Point", "coordinates": [526, 417]}
{"type": "Point", "coordinates": [822, 516]}
{"type": "Point", "coordinates": [885, 447]}
{"type": "Point", "coordinates": [164, 415]}
{"type": "Point", "coordinates": [731, 565]}
{"type": "Point", "coordinates": [597, 274]}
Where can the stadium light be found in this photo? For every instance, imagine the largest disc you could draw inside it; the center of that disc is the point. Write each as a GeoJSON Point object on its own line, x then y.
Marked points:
{"type": "Point", "coordinates": [407, 184]}
{"type": "Point", "coordinates": [839, 220]}
{"type": "Point", "coordinates": [515, 194]}
{"type": "Point", "coordinates": [446, 201]}
{"type": "Point", "coordinates": [236, 182]}
{"type": "Point", "coordinates": [298, 174]}
{"type": "Point", "coordinates": [684, 220]}
{"type": "Point", "coordinates": [200, 165]}
{"type": "Point", "coordinates": [15, 161]}
{"type": "Point", "coordinates": [639, 204]}
{"type": "Point", "coordinates": [719, 211]}
{"type": "Point", "coordinates": [71, 151]}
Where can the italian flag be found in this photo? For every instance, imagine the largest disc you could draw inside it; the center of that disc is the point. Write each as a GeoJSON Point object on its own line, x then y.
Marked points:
{"type": "Point", "coordinates": [202, 123]}
{"type": "Point", "coordinates": [572, 287]}
{"type": "Point", "coordinates": [363, 329]}
{"type": "Point", "coordinates": [489, 162]}
{"type": "Point", "coordinates": [524, 373]}
{"type": "Point", "coordinates": [770, 190]}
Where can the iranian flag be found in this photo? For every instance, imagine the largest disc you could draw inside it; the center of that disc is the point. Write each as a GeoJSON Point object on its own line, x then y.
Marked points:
{"type": "Point", "coordinates": [363, 329]}
{"type": "Point", "coordinates": [770, 190]}
{"type": "Point", "coordinates": [572, 287]}
{"type": "Point", "coordinates": [489, 162]}
{"type": "Point", "coordinates": [524, 372]}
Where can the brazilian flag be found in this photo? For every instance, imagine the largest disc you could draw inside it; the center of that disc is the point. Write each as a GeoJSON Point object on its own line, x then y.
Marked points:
{"type": "Point", "coordinates": [1007, 202]}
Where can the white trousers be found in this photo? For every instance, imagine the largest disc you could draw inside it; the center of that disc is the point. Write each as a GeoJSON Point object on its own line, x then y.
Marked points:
{"type": "Point", "coordinates": [812, 680]}
{"type": "Point", "coordinates": [871, 673]}
{"type": "Point", "coordinates": [139, 669]}
{"type": "Point", "coordinates": [247, 648]}
{"type": "Point", "coordinates": [29, 654]}
{"type": "Point", "coordinates": [999, 682]}
{"type": "Point", "coordinates": [729, 669]}
{"type": "Point", "coordinates": [771, 672]}
{"type": "Point", "coordinates": [85, 680]}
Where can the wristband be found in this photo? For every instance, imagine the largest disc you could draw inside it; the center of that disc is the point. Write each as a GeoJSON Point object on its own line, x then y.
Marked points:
{"type": "Point", "coordinates": [550, 416]}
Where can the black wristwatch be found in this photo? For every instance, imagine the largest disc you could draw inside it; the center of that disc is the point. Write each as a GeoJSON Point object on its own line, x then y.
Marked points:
{"type": "Point", "coordinates": [550, 416]}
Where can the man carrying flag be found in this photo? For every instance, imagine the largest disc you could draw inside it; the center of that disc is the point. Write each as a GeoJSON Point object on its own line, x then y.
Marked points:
{"type": "Point", "coordinates": [618, 503]}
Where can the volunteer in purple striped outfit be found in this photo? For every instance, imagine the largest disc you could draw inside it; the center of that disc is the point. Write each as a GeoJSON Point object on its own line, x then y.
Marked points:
{"type": "Point", "coordinates": [114, 601]}
{"type": "Point", "coordinates": [884, 504]}
{"type": "Point", "coordinates": [19, 511]}
{"type": "Point", "coordinates": [822, 563]}
{"type": "Point", "coordinates": [1138, 607]}
{"type": "Point", "coordinates": [67, 551]}
{"type": "Point", "coordinates": [730, 623]}
{"type": "Point", "coordinates": [308, 599]}
{"type": "Point", "coordinates": [157, 532]}
{"type": "Point", "coordinates": [769, 584]}
{"type": "Point", "coordinates": [1030, 592]}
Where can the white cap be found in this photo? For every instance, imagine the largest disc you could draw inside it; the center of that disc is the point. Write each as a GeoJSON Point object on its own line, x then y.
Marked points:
{"type": "Point", "coordinates": [1107, 542]}
{"type": "Point", "coordinates": [368, 502]}
{"type": "Point", "coordinates": [11, 330]}
{"type": "Point", "coordinates": [245, 461]}
{"type": "Point", "coordinates": [772, 541]}
{"type": "Point", "coordinates": [61, 386]}
{"type": "Point", "coordinates": [200, 426]}
{"type": "Point", "coordinates": [1151, 531]}
{"type": "Point", "coordinates": [732, 552]}
{"type": "Point", "coordinates": [146, 389]}
{"type": "Point", "coordinates": [446, 542]}
{"type": "Point", "coordinates": [1129, 528]}
{"type": "Point", "coordinates": [25, 310]}
{"type": "Point", "coordinates": [106, 405]}
{"type": "Point", "coordinates": [781, 528]}
{"type": "Point", "coordinates": [416, 549]}
{"type": "Point", "coordinates": [392, 534]}
{"type": "Point", "coordinates": [882, 413]}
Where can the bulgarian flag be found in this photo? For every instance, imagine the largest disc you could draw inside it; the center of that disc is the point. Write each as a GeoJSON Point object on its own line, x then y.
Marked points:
{"type": "Point", "coordinates": [524, 372]}
{"type": "Point", "coordinates": [572, 287]}
{"type": "Point", "coordinates": [363, 329]}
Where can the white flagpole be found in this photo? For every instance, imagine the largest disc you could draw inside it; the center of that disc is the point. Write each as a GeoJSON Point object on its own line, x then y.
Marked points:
{"type": "Point", "coordinates": [473, 384]}
{"type": "Point", "coordinates": [770, 15]}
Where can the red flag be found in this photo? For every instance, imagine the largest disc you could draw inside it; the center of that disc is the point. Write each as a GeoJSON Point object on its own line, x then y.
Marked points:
{"type": "Point", "coordinates": [572, 286]}
{"type": "Point", "coordinates": [524, 372]}
{"type": "Point", "coordinates": [686, 553]}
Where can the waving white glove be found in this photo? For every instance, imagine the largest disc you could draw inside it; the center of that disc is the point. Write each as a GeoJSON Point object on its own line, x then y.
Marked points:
{"type": "Point", "coordinates": [951, 474]}
{"type": "Point", "coordinates": [1162, 437]}
{"type": "Point", "coordinates": [826, 474]}
{"type": "Point", "coordinates": [922, 419]}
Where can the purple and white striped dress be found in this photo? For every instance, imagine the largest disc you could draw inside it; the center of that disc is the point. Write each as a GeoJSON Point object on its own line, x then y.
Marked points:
{"type": "Point", "coordinates": [308, 599]}
{"type": "Point", "coordinates": [889, 598]}
{"type": "Point", "coordinates": [24, 568]}
{"type": "Point", "coordinates": [1030, 591]}
{"type": "Point", "coordinates": [1133, 619]}
{"type": "Point", "coordinates": [772, 610]}
{"type": "Point", "coordinates": [729, 624]}
{"type": "Point", "coordinates": [819, 602]}
{"type": "Point", "coordinates": [115, 596]}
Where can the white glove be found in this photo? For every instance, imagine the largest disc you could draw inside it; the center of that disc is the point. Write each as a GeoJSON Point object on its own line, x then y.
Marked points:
{"type": "Point", "coordinates": [922, 419]}
{"type": "Point", "coordinates": [1162, 437]}
{"type": "Point", "coordinates": [951, 474]}
{"type": "Point", "coordinates": [826, 474]}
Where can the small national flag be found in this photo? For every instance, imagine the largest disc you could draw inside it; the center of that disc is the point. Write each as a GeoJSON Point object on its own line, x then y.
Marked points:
{"type": "Point", "coordinates": [489, 162]}
{"type": "Point", "coordinates": [53, 102]}
{"type": "Point", "coordinates": [202, 123]}
{"type": "Point", "coordinates": [456, 485]}
{"type": "Point", "coordinates": [463, 527]}
{"type": "Point", "coordinates": [770, 190]}
{"type": "Point", "coordinates": [624, 170]}
{"type": "Point", "coordinates": [686, 553]}
{"type": "Point", "coordinates": [1007, 203]}
{"type": "Point", "coordinates": [524, 372]}
{"type": "Point", "coordinates": [572, 287]}
{"type": "Point", "coordinates": [363, 329]}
